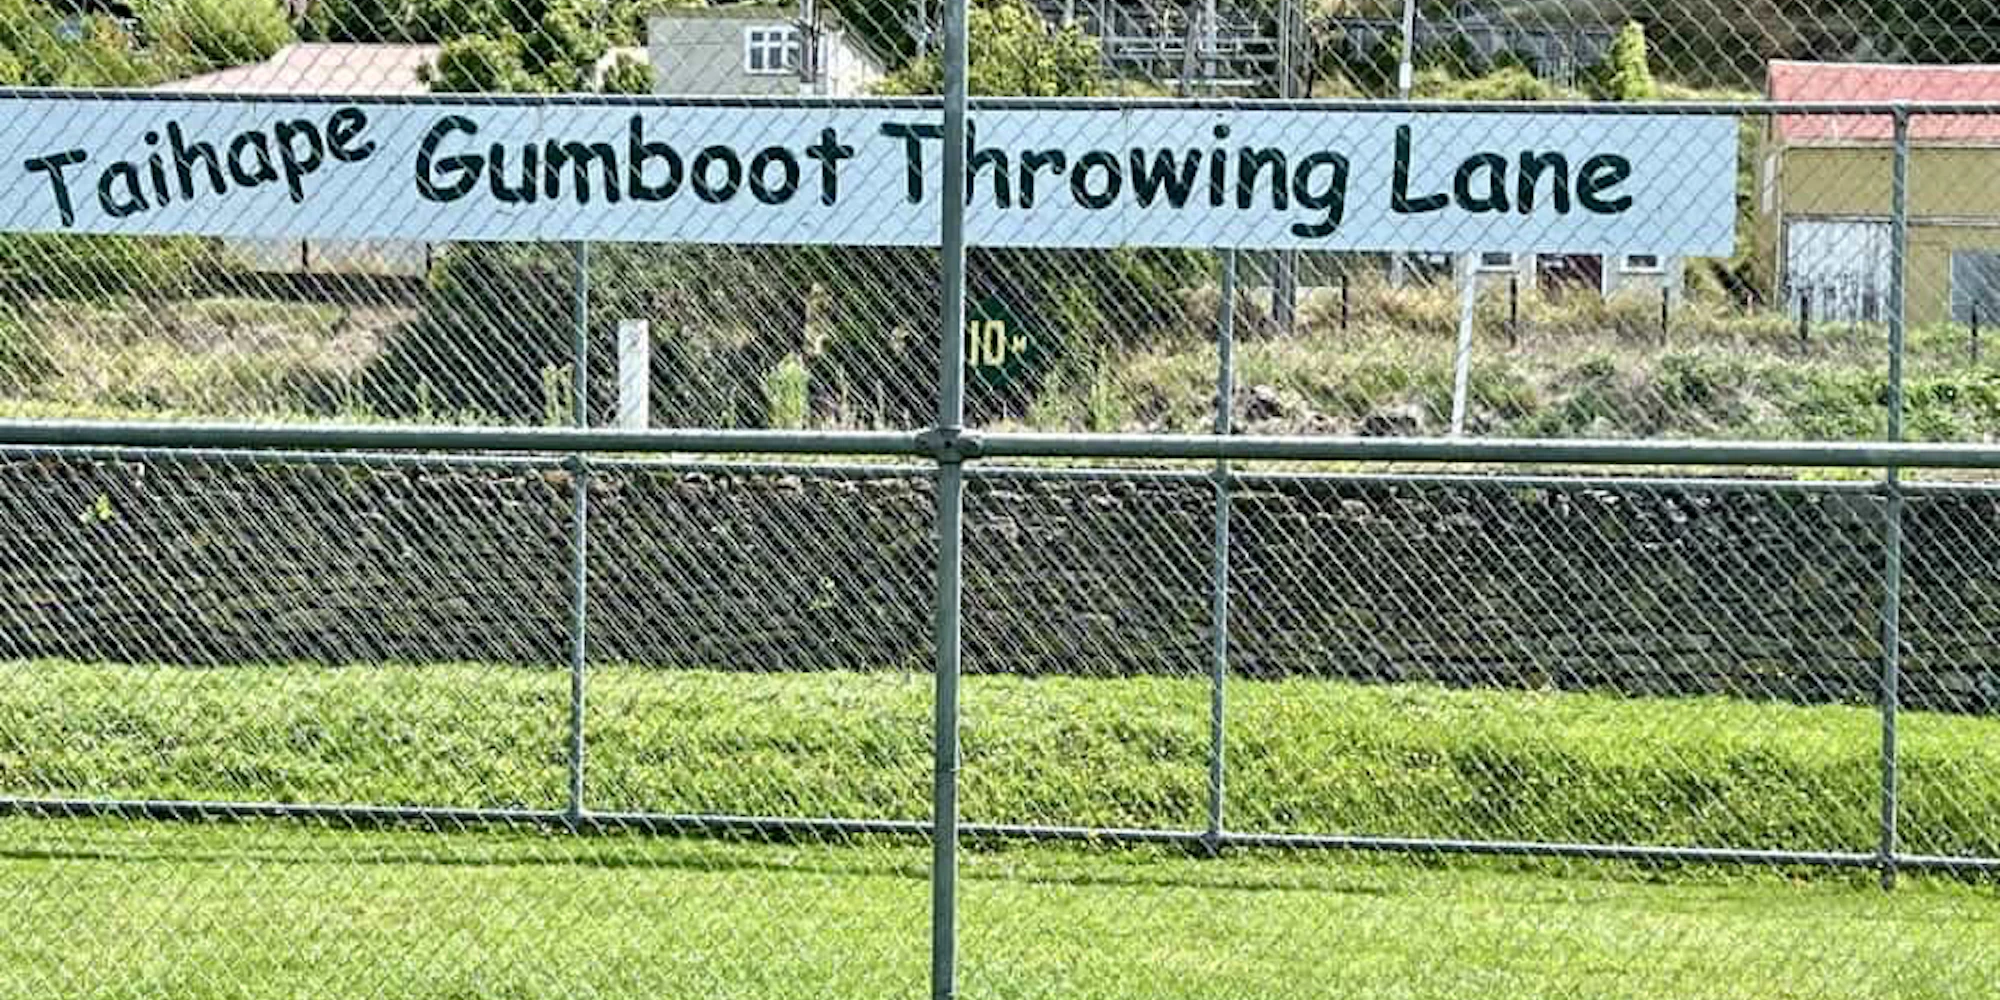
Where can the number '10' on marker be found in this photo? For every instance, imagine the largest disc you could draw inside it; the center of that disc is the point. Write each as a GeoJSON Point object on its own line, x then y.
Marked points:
{"type": "Point", "coordinates": [988, 344]}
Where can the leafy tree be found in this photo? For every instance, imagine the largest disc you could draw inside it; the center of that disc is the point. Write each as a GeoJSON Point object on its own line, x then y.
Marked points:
{"type": "Point", "coordinates": [1012, 51]}
{"type": "Point", "coordinates": [217, 33]}
{"type": "Point", "coordinates": [494, 332]}
{"type": "Point", "coordinates": [564, 46]}
{"type": "Point", "coordinates": [363, 21]}
{"type": "Point", "coordinates": [479, 64]}
{"type": "Point", "coordinates": [627, 75]}
{"type": "Point", "coordinates": [103, 54]}
{"type": "Point", "coordinates": [884, 25]}
{"type": "Point", "coordinates": [490, 329]}
{"type": "Point", "coordinates": [511, 45]}
{"type": "Point", "coordinates": [28, 34]}
{"type": "Point", "coordinates": [860, 321]}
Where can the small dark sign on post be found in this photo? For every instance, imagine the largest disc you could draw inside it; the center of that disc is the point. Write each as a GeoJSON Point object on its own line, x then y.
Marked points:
{"type": "Point", "coordinates": [999, 347]}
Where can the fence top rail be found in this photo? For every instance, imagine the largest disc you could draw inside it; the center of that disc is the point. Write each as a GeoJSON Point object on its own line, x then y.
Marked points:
{"type": "Point", "coordinates": [467, 440]}
{"type": "Point", "coordinates": [932, 103]}
{"type": "Point", "coordinates": [1493, 451]}
{"type": "Point", "coordinates": [976, 445]}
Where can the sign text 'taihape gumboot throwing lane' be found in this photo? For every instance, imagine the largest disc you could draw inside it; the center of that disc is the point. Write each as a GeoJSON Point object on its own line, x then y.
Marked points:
{"type": "Point", "coordinates": [861, 174]}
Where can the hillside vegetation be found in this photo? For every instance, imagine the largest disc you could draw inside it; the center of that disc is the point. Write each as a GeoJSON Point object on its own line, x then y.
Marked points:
{"type": "Point", "coordinates": [1576, 366]}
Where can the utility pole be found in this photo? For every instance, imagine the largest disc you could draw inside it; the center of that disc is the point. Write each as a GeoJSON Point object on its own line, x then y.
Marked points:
{"type": "Point", "coordinates": [1284, 277]}
{"type": "Point", "coordinates": [1197, 15]}
{"type": "Point", "coordinates": [1406, 77]}
{"type": "Point", "coordinates": [917, 21]}
{"type": "Point", "coordinates": [808, 32]}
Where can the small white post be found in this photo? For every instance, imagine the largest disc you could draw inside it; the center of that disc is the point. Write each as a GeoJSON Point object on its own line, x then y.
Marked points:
{"type": "Point", "coordinates": [1461, 376]}
{"type": "Point", "coordinates": [635, 370]}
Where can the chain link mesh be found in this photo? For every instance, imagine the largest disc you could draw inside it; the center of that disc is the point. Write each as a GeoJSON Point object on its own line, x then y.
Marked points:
{"type": "Point", "coordinates": [490, 723]}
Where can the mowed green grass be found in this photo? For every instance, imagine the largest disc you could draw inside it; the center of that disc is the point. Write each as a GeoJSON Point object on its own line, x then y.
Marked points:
{"type": "Point", "coordinates": [271, 909]}
{"type": "Point", "coordinates": [1303, 756]}
{"type": "Point", "coordinates": [107, 909]}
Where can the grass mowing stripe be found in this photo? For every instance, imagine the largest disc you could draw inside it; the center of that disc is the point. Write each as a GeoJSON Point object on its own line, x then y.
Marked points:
{"type": "Point", "coordinates": [260, 911]}
{"type": "Point", "coordinates": [1304, 756]}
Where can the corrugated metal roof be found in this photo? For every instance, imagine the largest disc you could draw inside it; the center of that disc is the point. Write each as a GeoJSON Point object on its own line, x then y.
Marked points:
{"type": "Point", "coordinates": [1813, 81]}
{"type": "Point", "coordinates": [322, 68]}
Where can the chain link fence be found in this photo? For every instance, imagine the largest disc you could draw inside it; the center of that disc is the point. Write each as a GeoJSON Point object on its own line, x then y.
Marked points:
{"type": "Point", "coordinates": [1781, 337]}
{"type": "Point", "coordinates": [512, 613]}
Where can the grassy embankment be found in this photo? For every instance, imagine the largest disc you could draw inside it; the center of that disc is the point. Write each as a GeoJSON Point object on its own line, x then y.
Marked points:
{"type": "Point", "coordinates": [122, 909]}
{"type": "Point", "coordinates": [1304, 755]}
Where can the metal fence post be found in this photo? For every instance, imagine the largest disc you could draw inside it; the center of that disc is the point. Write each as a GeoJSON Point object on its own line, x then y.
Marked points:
{"type": "Point", "coordinates": [950, 500]}
{"type": "Point", "coordinates": [1513, 311]}
{"type": "Point", "coordinates": [1225, 396]}
{"type": "Point", "coordinates": [1892, 528]}
{"type": "Point", "coordinates": [1975, 331]}
{"type": "Point", "coordinates": [579, 608]}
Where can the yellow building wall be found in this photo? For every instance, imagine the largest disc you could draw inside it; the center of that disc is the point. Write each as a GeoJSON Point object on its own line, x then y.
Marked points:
{"type": "Point", "coordinates": [1929, 274]}
{"type": "Point", "coordinates": [1955, 183]}
{"type": "Point", "coordinates": [1954, 205]}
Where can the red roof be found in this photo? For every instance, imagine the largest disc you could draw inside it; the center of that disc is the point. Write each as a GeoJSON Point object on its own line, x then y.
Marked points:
{"type": "Point", "coordinates": [1812, 81]}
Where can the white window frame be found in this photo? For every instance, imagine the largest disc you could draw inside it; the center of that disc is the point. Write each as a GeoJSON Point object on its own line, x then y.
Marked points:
{"type": "Point", "coordinates": [761, 42]}
{"type": "Point", "coordinates": [1658, 266]}
{"type": "Point", "coordinates": [1481, 264]}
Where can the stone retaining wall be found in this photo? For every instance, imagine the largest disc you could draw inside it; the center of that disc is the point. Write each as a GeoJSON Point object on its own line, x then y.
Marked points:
{"type": "Point", "coordinates": [1640, 589]}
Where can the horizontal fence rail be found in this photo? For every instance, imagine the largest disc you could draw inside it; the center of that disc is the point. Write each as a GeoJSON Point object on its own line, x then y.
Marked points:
{"type": "Point", "coordinates": [974, 445]}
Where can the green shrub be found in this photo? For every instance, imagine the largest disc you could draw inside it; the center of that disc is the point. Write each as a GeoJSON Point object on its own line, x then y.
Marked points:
{"type": "Point", "coordinates": [787, 403]}
{"type": "Point", "coordinates": [106, 56]}
{"type": "Point", "coordinates": [495, 316]}
{"type": "Point", "coordinates": [1628, 75]}
{"type": "Point", "coordinates": [1511, 83]}
{"type": "Point", "coordinates": [28, 36]}
{"type": "Point", "coordinates": [1507, 59]}
{"type": "Point", "coordinates": [217, 33]}
{"type": "Point", "coordinates": [1456, 58]}
{"type": "Point", "coordinates": [1374, 72]}
{"type": "Point", "coordinates": [494, 319]}
{"type": "Point", "coordinates": [69, 265]}
{"type": "Point", "coordinates": [1107, 408]}
{"type": "Point", "coordinates": [24, 358]}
